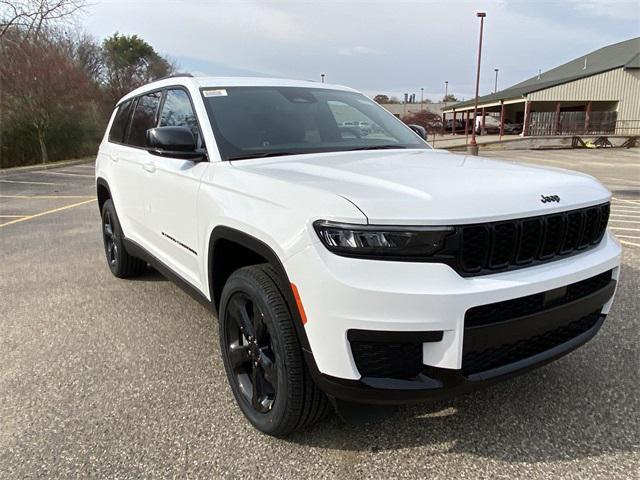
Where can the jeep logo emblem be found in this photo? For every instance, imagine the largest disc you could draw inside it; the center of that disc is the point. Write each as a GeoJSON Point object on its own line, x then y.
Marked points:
{"type": "Point", "coordinates": [549, 198]}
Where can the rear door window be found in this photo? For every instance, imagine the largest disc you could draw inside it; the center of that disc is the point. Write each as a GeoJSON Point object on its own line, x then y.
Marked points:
{"type": "Point", "coordinates": [121, 122]}
{"type": "Point", "coordinates": [144, 118]}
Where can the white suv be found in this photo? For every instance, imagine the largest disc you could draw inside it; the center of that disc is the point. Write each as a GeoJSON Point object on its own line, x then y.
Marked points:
{"type": "Point", "coordinates": [348, 269]}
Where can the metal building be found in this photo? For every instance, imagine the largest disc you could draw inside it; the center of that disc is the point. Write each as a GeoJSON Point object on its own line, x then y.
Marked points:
{"type": "Point", "coordinates": [596, 94]}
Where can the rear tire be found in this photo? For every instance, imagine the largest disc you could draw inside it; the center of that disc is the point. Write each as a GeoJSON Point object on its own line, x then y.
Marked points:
{"type": "Point", "coordinates": [262, 355]}
{"type": "Point", "coordinates": [121, 263]}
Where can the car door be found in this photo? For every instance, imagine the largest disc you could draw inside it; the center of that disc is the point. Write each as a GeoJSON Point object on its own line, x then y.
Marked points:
{"type": "Point", "coordinates": [172, 194]}
{"type": "Point", "coordinates": [126, 173]}
{"type": "Point", "coordinates": [132, 163]}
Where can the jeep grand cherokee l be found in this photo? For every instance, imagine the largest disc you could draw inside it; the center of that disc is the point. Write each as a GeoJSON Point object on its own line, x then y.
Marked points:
{"type": "Point", "coordinates": [345, 268]}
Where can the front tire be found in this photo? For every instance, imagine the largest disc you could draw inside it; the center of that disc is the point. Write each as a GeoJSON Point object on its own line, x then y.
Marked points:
{"type": "Point", "coordinates": [262, 356]}
{"type": "Point", "coordinates": [121, 263]}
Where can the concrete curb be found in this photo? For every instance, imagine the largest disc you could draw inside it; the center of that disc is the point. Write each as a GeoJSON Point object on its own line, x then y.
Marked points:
{"type": "Point", "coordinates": [48, 166]}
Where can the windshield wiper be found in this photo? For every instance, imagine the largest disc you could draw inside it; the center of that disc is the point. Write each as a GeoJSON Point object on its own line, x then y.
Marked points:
{"type": "Point", "coordinates": [262, 155]}
{"type": "Point", "coordinates": [376, 147]}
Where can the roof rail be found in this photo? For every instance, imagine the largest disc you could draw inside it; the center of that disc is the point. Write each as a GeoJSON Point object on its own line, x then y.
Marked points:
{"type": "Point", "coordinates": [174, 75]}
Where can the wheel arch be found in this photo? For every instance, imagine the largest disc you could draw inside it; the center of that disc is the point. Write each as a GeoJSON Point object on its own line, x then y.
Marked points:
{"type": "Point", "coordinates": [103, 192]}
{"type": "Point", "coordinates": [223, 236]}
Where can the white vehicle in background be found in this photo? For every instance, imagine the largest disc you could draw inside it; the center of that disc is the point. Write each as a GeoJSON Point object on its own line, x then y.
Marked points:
{"type": "Point", "coordinates": [349, 269]}
{"type": "Point", "coordinates": [487, 124]}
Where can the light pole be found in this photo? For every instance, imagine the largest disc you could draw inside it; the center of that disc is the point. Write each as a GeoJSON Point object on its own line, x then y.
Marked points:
{"type": "Point", "coordinates": [421, 98]}
{"type": "Point", "coordinates": [495, 88]}
{"type": "Point", "coordinates": [322, 77]}
{"type": "Point", "coordinates": [472, 149]}
{"type": "Point", "coordinates": [446, 91]}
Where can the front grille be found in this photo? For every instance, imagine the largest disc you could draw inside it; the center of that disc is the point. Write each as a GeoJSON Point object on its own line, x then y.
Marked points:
{"type": "Point", "coordinates": [499, 246]}
{"type": "Point", "coordinates": [519, 307]}
{"type": "Point", "coordinates": [387, 360]}
{"type": "Point", "coordinates": [494, 357]}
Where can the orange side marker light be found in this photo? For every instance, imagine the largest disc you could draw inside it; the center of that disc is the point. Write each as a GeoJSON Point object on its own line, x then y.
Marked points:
{"type": "Point", "coordinates": [296, 295]}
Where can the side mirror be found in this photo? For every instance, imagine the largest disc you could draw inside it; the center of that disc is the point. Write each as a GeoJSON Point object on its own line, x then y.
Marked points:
{"type": "Point", "coordinates": [420, 131]}
{"type": "Point", "coordinates": [175, 142]}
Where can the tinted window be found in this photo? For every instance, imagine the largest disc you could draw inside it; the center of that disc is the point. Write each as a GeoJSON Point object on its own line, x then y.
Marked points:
{"type": "Point", "coordinates": [144, 118]}
{"type": "Point", "coordinates": [259, 121]}
{"type": "Point", "coordinates": [178, 112]}
{"type": "Point", "coordinates": [119, 126]}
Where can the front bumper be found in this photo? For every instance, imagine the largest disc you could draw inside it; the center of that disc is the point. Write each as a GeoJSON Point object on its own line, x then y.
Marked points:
{"type": "Point", "coordinates": [436, 382]}
{"type": "Point", "coordinates": [345, 294]}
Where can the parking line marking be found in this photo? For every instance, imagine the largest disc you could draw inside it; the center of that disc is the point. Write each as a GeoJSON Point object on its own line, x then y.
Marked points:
{"type": "Point", "coordinates": [626, 210]}
{"type": "Point", "coordinates": [628, 229]}
{"type": "Point", "coordinates": [69, 173]}
{"type": "Point", "coordinates": [623, 181]}
{"type": "Point", "coordinates": [625, 221]}
{"type": "Point", "coordinates": [635, 202]}
{"type": "Point", "coordinates": [623, 216]}
{"type": "Point", "coordinates": [627, 236]}
{"type": "Point", "coordinates": [625, 242]}
{"type": "Point", "coordinates": [12, 216]}
{"type": "Point", "coordinates": [41, 214]}
{"type": "Point", "coordinates": [29, 183]}
{"type": "Point", "coordinates": [46, 197]}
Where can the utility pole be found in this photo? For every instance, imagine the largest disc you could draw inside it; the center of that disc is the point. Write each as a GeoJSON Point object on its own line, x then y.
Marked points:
{"type": "Point", "coordinates": [421, 99]}
{"type": "Point", "coordinates": [322, 77]}
{"type": "Point", "coordinates": [472, 148]}
{"type": "Point", "coordinates": [495, 88]}
{"type": "Point", "coordinates": [446, 92]}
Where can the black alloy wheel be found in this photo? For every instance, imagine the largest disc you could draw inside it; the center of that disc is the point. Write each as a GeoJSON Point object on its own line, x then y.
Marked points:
{"type": "Point", "coordinates": [121, 263]}
{"type": "Point", "coordinates": [251, 353]}
{"type": "Point", "coordinates": [110, 246]}
{"type": "Point", "coordinates": [262, 355]}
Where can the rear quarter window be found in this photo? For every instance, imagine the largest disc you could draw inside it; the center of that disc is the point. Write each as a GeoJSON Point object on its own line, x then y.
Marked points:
{"type": "Point", "coordinates": [120, 122]}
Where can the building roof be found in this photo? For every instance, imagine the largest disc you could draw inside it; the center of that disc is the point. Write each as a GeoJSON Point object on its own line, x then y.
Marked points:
{"type": "Point", "coordinates": [624, 54]}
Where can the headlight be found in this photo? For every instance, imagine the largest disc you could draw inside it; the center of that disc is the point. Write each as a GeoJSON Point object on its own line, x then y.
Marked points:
{"type": "Point", "coordinates": [379, 241]}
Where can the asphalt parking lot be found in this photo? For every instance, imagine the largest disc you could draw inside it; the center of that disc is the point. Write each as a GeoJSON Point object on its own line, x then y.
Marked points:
{"type": "Point", "coordinates": [114, 378]}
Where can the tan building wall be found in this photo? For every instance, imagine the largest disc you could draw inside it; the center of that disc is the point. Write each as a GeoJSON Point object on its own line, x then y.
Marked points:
{"type": "Point", "coordinates": [618, 85]}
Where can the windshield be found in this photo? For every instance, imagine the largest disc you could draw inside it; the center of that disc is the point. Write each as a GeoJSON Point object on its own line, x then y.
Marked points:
{"type": "Point", "coordinates": [251, 122]}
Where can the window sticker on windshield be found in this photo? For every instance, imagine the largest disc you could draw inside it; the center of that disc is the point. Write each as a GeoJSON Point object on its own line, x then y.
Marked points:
{"type": "Point", "coordinates": [214, 93]}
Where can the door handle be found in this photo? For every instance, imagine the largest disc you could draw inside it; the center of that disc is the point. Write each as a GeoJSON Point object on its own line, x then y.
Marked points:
{"type": "Point", "coordinates": [114, 157]}
{"type": "Point", "coordinates": [149, 167]}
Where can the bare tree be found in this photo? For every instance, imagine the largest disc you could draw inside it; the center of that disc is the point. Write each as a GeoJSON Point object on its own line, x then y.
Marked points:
{"type": "Point", "coordinates": [432, 122]}
{"type": "Point", "coordinates": [41, 82]}
{"type": "Point", "coordinates": [31, 17]}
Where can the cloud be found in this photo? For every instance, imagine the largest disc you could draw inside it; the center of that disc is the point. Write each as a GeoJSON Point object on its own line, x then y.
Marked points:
{"type": "Point", "coordinates": [393, 46]}
{"type": "Point", "coordinates": [358, 50]}
{"type": "Point", "coordinates": [619, 9]}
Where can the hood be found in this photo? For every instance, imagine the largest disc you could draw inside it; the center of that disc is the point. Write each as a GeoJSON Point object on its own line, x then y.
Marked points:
{"type": "Point", "coordinates": [431, 187]}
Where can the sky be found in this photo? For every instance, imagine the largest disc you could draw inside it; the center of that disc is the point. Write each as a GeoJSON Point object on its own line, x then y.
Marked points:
{"type": "Point", "coordinates": [376, 46]}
